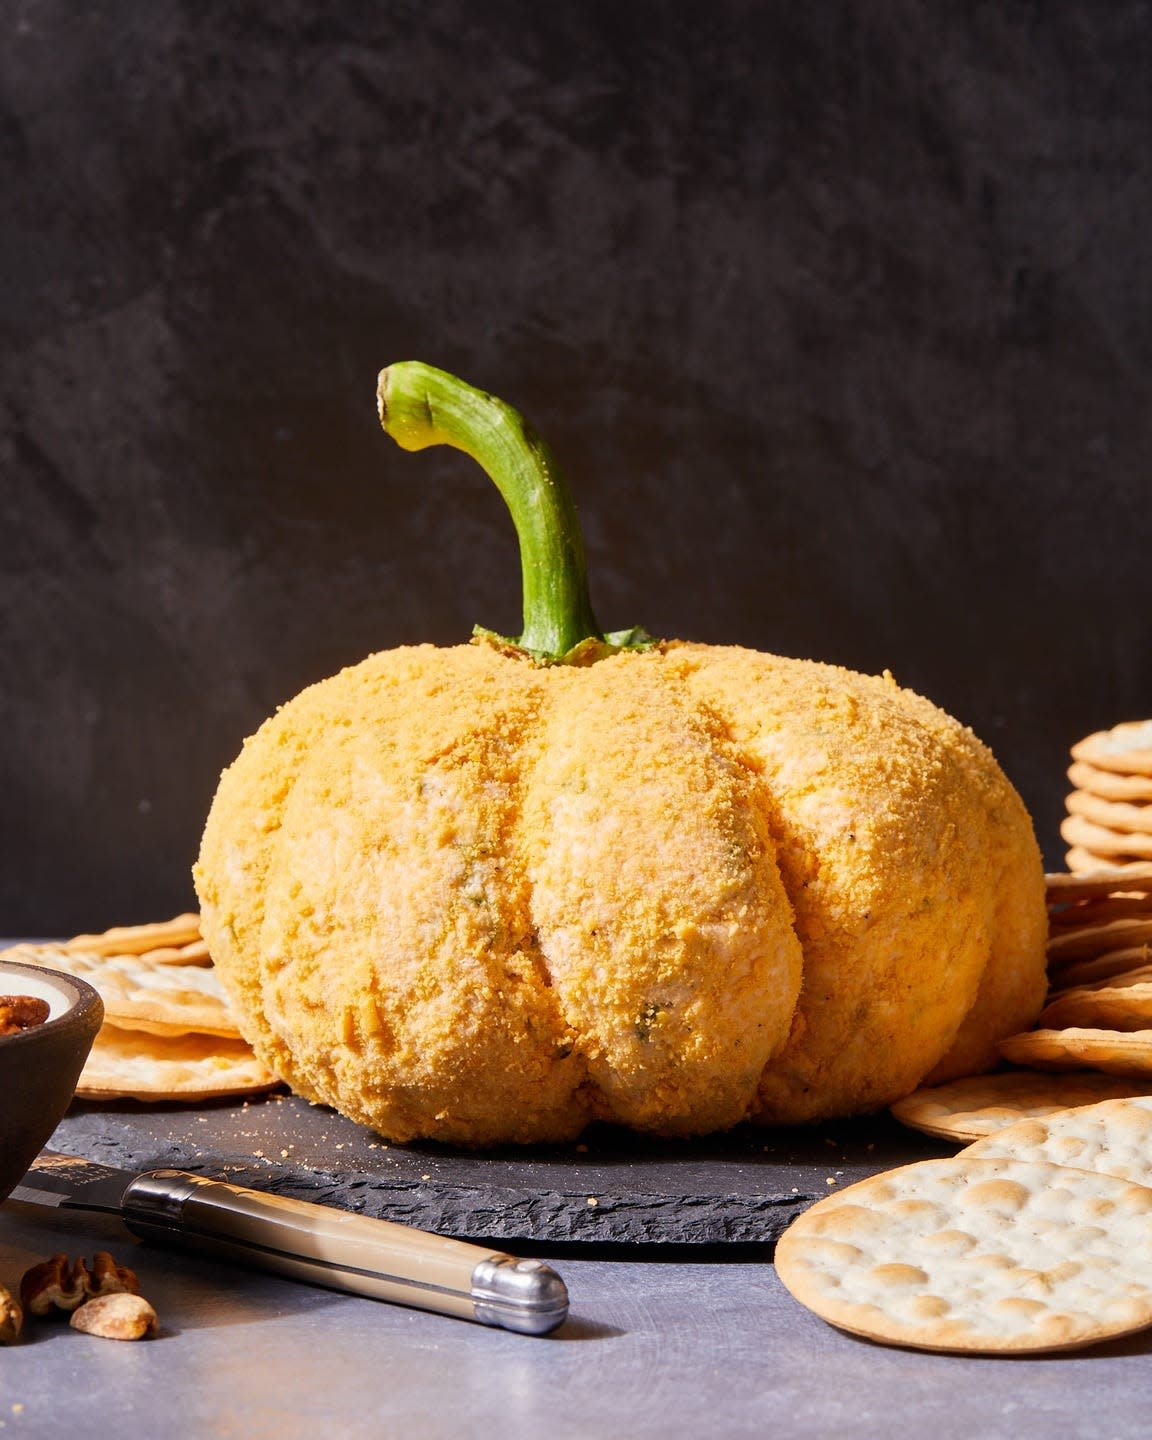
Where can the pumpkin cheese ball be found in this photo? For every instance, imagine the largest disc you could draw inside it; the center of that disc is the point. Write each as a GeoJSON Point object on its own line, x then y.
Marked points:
{"type": "Point", "coordinates": [493, 892]}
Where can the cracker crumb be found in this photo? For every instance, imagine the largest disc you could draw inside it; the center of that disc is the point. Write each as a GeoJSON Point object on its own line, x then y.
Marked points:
{"type": "Point", "coordinates": [592, 1200]}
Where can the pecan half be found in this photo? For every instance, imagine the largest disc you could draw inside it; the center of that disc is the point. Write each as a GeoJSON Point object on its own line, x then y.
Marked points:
{"type": "Point", "coordinates": [118, 1316]}
{"type": "Point", "coordinates": [54, 1284]}
{"type": "Point", "coordinates": [109, 1278]}
{"type": "Point", "coordinates": [11, 1318]}
{"type": "Point", "coordinates": [59, 1284]}
{"type": "Point", "coordinates": [22, 1012]}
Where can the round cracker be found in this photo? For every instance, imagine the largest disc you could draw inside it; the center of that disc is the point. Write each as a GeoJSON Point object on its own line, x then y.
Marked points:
{"type": "Point", "coordinates": [1132, 960]}
{"type": "Point", "coordinates": [194, 953]}
{"type": "Point", "coordinates": [1113, 1137]}
{"type": "Point", "coordinates": [1108, 785]}
{"type": "Point", "coordinates": [1126, 749]}
{"type": "Point", "coordinates": [1081, 861]}
{"type": "Point", "coordinates": [1139, 975]}
{"type": "Point", "coordinates": [1102, 841]}
{"type": "Point", "coordinates": [1118, 815]}
{"type": "Point", "coordinates": [1114, 1052]}
{"type": "Point", "coordinates": [165, 999]}
{"type": "Point", "coordinates": [981, 1105]}
{"type": "Point", "coordinates": [1086, 941]}
{"type": "Point", "coordinates": [1127, 1007]}
{"type": "Point", "coordinates": [1064, 888]}
{"type": "Point", "coordinates": [977, 1256]}
{"type": "Point", "coordinates": [1100, 911]}
{"type": "Point", "coordinates": [136, 939]}
{"type": "Point", "coordinates": [129, 1064]}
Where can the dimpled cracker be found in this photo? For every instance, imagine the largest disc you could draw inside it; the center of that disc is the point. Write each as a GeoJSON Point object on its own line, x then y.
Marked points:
{"type": "Point", "coordinates": [1112, 1007]}
{"type": "Point", "coordinates": [1131, 961]}
{"type": "Point", "coordinates": [166, 999]}
{"type": "Point", "coordinates": [1103, 841]}
{"type": "Point", "coordinates": [1109, 785]}
{"type": "Point", "coordinates": [1065, 918]}
{"type": "Point", "coordinates": [1113, 1138]}
{"type": "Point", "coordinates": [981, 1105]}
{"type": "Point", "coordinates": [985, 1256]}
{"type": "Point", "coordinates": [1126, 749]}
{"type": "Point", "coordinates": [194, 953]}
{"type": "Point", "coordinates": [1113, 814]}
{"type": "Point", "coordinates": [128, 1064]}
{"type": "Point", "coordinates": [1112, 976]}
{"type": "Point", "coordinates": [1090, 940]}
{"type": "Point", "coordinates": [1062, 888]}
{"type": "Point", "coordinates": [136, 939]}
{"type": "Point", "coordinates": [1112, 1051]}
{"type": "Point", "coordinates": [1081, 861]}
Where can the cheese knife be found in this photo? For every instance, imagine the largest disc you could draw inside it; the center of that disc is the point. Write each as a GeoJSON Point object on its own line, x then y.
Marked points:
{"type": "Point", "coordinates": [315, 1243]}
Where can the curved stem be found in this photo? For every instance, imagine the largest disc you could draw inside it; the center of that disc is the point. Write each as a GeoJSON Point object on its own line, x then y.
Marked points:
{"type": "Point", "coordinates": [421, 406]}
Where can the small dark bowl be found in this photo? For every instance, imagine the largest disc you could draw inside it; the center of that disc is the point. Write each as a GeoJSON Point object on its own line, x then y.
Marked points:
{"type": "Point", "coordinates": [39, 1067]}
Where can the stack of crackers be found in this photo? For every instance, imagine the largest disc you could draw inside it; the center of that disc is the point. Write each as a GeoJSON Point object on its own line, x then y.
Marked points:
{"type": "Point", "coordinates": [168, 1032]}
{"type": "Point", "coordinates": [1109, 820]}
{"type": "Point", "coordinates": [1099, 1010]}
{"type": "Point", "coordinates": [1093, 1040]}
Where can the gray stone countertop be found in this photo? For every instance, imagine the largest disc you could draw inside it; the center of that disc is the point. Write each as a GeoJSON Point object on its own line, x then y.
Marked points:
{"type": "Point", "coordinates": [695, 1346]}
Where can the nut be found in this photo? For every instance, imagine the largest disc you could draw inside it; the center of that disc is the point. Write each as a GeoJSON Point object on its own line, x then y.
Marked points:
{"type": "Point", "coordinates": [119, 1316]}
{"type": "Point", "coordinates": [60, 1285]}
{"type": "Point", "coordinates": [108, 1278]}
{"type": "Point", "coordinates": [11, 1318]}
{"type": "Point", "coordinates": [21, 1012]}
{"type": "Point", "coordinates": [53, 1285]}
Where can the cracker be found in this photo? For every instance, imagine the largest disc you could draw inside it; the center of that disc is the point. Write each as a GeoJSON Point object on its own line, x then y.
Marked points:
{"type": "Point", "coordinates": [985, 1256]}
{"type": "Point", "coordinates": [1130, 960]}
{"type": "Point", "coordinates": [1113, 1137]}
{"type": "Point", "coordinates": [1101, 910]}
{"type": "Point", "coordinates": [1113, 1052]}
{"type": "Point", "coordinates": [1108, 785]}
{"type": "Point", "coordinates": [1127, 1007]}
{"type": "Point", "coordinates": [1107, 880]}
{"type": "Point", "coordinates": [195, 953]}
{"type": "Point", "coordinates": [1136, 976]}
{"type": "Point", "coordinates": [1082, 861]}
{"type": "Point", "coordinates": [980, 1105]}
{"type": "Point", "coordinates": [128, 1064]}
{"type": "Point", "coordinates": [1112, 814]}
{"type": "Point", "coordinates": [1102, 841]}
{"type": "Point", "coordinates": [1086, 941]}
{"type": "Point", "coordinates": [136, 939]}
{"type": "Point", "coordinates": [165, 999]}
{"type": "Point", "coordinates": [1126, 749]}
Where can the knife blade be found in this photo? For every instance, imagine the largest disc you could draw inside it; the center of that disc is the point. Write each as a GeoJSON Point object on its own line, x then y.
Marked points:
{"type": "Point", "coordinates": [314, 1243]}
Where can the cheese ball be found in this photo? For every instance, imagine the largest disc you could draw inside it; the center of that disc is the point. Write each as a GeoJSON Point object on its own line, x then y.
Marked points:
{"type": "Point", "coordinates": [461, 896]}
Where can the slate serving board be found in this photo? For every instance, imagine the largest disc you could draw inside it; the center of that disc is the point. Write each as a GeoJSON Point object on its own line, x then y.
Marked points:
{"type": "Point", "coordinates": [612, 1187]}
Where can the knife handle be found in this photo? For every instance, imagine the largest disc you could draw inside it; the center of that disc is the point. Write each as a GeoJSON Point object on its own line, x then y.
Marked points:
{"type": "Point", "coordinates": [344, 1251]}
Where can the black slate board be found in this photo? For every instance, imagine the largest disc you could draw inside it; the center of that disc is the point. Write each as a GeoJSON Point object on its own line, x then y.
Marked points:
{"type": "Point", "coordinates": [612, 1187]}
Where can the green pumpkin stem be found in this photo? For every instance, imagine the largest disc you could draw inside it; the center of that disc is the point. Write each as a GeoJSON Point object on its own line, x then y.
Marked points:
{"type": "Point", "coordinates": [422, 406]}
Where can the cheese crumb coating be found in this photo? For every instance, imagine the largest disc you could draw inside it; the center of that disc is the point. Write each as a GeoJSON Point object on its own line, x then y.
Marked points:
{"type": "Point", "coordinates": [462, 897]}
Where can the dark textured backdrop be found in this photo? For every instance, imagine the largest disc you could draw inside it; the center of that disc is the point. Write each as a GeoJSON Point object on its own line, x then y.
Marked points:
{"type": "Point", "coordinates": [840, 315]}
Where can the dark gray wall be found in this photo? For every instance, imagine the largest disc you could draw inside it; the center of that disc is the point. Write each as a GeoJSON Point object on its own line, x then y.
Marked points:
{"type": "Point", "coordinates": [840, 315]}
